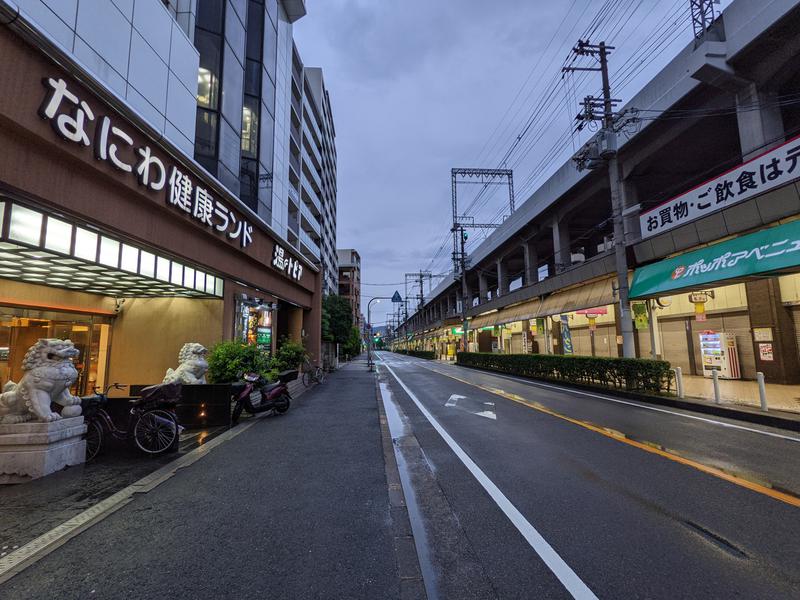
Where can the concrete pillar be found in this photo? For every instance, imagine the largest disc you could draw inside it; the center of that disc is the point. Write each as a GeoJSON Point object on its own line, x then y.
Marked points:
{"type": "Point", "coordinates": [766, 311]}
{"type": "Point", "coordinates": [483, 288]}
{"type": "Point", "coordinates": [531, 256]}
{"type": "Point", "coordinates": [759, 128]}
{"type": "Point", "coordinates": [561, 245]}
{"type": "Point", "coordinates": [502, 278]}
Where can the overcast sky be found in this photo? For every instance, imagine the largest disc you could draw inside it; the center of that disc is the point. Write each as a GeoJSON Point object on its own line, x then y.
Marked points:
{"type": "Point", "coordinates": [420, 86]}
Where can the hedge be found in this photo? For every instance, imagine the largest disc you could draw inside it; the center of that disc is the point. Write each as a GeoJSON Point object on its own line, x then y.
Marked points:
{"type": "Point", "coordinates": [629, 374]}
{"type": "Point", "coordinates": [426, 354]}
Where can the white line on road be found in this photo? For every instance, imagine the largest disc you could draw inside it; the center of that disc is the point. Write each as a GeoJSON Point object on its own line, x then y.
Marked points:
{"type": "Point", "coordinates": [574, 585]}
{"type": "Point", "coordinates": [627, 402]}
{"type": "Point", "coordinates": [636, 404]}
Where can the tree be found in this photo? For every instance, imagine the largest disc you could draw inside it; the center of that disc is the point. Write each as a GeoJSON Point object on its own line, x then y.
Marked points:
{"type": "Point", "coordinates": [339, 319]}
{"type": "Point", "coordinates": [353, 345]}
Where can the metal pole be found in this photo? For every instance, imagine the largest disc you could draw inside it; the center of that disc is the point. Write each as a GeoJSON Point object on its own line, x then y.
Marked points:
{"type": "Point", "coordinates": [621, 258]}
{"type": "Point", "coordinates": [762, 391]}
{"type": "Point", "coordinates": [715, 378]}
{"type": "Point", "coordinates": [679, 382]}
{"type": "Point", "coordinates": [464, 322]}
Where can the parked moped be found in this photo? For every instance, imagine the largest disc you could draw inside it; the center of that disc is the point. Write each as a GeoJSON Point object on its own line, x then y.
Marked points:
{"type": "Point", "coordinates": [257, 395]}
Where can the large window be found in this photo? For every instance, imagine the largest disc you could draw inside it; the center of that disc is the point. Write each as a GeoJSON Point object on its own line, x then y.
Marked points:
{"type": "Point", "coordinates": [251, 107]}
{"type": "Point", "coordinates": [209, 43]}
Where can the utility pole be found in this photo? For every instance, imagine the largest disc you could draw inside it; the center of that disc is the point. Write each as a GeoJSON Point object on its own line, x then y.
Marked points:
{"type": "Point", "coordinates": [607, 151]}
{"type": "Point", "coordinates": [461, 223]}
{"type": "Point", "coordinates": [702, 16]}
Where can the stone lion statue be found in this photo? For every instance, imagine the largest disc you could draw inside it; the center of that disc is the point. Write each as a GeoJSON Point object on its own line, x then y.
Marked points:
{"type": "Point", "coordinates": [49, 373]}
{"type": "Point", "coordinates": [192, 365]}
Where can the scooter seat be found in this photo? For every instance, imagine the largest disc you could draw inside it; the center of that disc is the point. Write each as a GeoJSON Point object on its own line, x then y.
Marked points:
{"type": "Point", "coordinates": [271, 386]}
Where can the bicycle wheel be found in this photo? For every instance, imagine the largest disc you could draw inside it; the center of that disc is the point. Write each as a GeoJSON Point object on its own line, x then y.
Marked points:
{"type": "Point", "coordinates": [155, 431]}
{"type": "Point", "coordinates": [94, 439]}
{"type": "Point", "coordinates": [307, 378]}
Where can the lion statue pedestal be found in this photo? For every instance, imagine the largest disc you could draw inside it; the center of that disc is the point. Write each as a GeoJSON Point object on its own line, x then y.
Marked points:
{"type": "Point", "coordinates": [34, 440]}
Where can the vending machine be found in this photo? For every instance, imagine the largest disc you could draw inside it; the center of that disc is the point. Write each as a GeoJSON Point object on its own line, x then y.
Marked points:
{"type": "Point", "coordinates": [719, 353]}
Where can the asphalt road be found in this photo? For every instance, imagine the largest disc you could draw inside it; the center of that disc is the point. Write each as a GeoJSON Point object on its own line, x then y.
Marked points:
{"type": "Point", "coordinates": [514, 490]}
{"type": "Point", "coordinates": [612, 519]}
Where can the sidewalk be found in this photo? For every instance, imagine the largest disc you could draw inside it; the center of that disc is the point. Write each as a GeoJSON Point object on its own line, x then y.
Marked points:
{"type": "Point", "coordinates": [296, 506]}
{"type": "Point", "coordinates": [745, 393]}
{"type": "Point", "coordinates": [31, 509]}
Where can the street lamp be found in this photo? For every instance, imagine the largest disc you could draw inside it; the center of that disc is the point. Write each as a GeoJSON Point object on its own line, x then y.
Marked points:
{"type": "Point", "coordinates": [370, 364]}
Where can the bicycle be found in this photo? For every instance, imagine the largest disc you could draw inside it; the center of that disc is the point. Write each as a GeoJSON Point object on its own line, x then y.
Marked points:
{"type": "Point", "coordinates": [152, 422]}
{"type": "Point", "coordinates": [312, 374]}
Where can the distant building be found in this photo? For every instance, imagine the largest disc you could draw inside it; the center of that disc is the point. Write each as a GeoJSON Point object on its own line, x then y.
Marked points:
{"type": "Point", "coordinates": [350, 282]}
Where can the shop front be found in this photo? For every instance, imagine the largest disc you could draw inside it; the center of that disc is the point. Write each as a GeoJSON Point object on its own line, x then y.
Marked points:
{"type": "Point", "coordinates": [111, 237]}
{"type": "Point", "coordinates": [730, 307]}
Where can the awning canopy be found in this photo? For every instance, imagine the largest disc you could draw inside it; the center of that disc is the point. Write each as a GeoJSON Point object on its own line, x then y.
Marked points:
{"type": "Point", "coordinates": [518, 312]}
{"type": "Point", "coordinates": [770, 250]}
{"type": "Point", "coordinates": [590, 295]}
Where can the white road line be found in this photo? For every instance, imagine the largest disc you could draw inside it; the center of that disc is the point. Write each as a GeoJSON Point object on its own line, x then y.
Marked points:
{"type": "Point", "coordinates": [636, 404]}
{"type": "Point", "coordinates": [574, 585]}
{"type": "Point", "coordinates": [627, 402]}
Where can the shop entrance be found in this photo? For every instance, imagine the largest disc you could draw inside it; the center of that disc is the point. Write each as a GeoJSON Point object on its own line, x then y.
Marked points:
{"type": "Point", "coordinates": [20, 328]}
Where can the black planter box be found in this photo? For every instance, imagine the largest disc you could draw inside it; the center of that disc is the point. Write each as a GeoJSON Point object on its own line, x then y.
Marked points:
{"type": "Point", "coordinates": [204, 406]}
{"type": "Point", "coordinates": [201, 406]}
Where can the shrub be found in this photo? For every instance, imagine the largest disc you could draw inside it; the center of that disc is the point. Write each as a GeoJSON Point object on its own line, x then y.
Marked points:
{"type": "Point", "coordinates": [228, 360]}
{"type": "Point", "coordinates": [630, 374]}
{"type": "Point", "coordinates": [426, 354]}
{"type": "Point", "coordinates": [289, 355]}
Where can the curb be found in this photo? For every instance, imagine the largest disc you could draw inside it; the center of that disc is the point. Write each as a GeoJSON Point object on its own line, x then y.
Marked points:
{"type": "Point", "coordinates": [408, 567]}
{"type": "Point", "coordinates": [789, 423]}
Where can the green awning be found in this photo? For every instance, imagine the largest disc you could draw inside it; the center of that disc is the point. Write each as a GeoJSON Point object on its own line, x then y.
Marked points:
{"type": "Point", "coordinates": [766, 251]}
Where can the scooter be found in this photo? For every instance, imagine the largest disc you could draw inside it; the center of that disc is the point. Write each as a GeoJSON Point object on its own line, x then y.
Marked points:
{"type": "Point", "coordinates": [257, 395]}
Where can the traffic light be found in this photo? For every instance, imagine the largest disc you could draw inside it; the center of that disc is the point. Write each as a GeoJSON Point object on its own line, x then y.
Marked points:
{"type": "Point", "coordinates": [465, 234]}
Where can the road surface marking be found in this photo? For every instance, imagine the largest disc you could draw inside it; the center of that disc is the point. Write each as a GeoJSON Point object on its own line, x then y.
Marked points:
{"type": "Point", "coordinates": [574, 585]}
{"type": "Point", "coordinates": [568, 390]}
{"type": "Point", "coordinates": [642, 445]}
{"type": "Point", "coordinates": [453, 400]}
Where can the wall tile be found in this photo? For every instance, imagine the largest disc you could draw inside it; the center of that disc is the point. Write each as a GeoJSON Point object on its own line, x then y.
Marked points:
{"type": "Point", "coordinates": [181, 107]}
{"type": "Point", "coordinates": [147, 110]}
{"type": "Point", "coordinates": [148, 73]}
{"type": "Point", "coordinates": [99, 67]}
{"type": "Point", "coordinates": [103, 27]}
{"type": "Point", "coordinates": [180, 140]}
{"type": "Point", "coordinates": [67, 10]}
{"type": "Point", "coordinates": [153, 21]}
{"type": "Point", "coordinates": [125, 6]}
{"type": "Point", "coordinates": [184, 59]}
{"type": "Point", "coordinates": [48, 21]}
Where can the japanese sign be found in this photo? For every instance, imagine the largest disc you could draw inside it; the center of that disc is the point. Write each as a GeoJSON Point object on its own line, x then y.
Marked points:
{"type": "Point", "coordinates": [286, 264]}
{"type": "Point", "coordinates": [761, 174]}
{"type": "Point", "coordinates": [70, 118]}
{"type": "Point", "coordinates": [771, 249]}
{"type": "Point", "coordinates": [765, 352]}
{"type": "Point", "coordinates": [566, 334]}
{"type": "Point", "coordinates": [641, 319]}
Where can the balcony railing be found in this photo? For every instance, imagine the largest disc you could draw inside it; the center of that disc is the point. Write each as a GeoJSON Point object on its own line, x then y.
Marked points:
{"type": "Point", "coordinates": [315, 178]}
{"type": "Point", "coordinates": [311, 245]}
{"type": "Point", "coordinates": [295, 162]}
{"type": "Point", "coordinates": [308, 192]}
{"type": "Point", "coordinates": [310, 218]}
{"type": "Point", "coordinates": [296, 105]}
